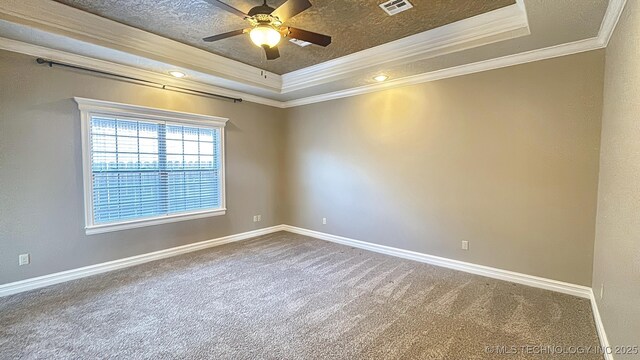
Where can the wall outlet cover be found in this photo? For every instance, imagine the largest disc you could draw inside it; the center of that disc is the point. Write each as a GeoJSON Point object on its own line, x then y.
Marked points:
{"type": "Point", "coordinates": [23, 259]}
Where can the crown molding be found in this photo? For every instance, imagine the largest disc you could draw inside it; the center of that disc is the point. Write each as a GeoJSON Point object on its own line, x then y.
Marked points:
{"type": "Point", "coordinates": [510, 60]}
{"type": "Point", "coordinates": [111, 67]}
{"type": "Point", "coordinates": [497, 63]}
{"type": "Point", "coordinates": [608, 25]}
{"type": "Point", "coordinates": [50, 16]}
{"type": "Point", "coordinates": [498, 25]}
{"type": "Point", "coordinates": [65, 20]}
{"type": "Point", "coordinates": [610, 21]}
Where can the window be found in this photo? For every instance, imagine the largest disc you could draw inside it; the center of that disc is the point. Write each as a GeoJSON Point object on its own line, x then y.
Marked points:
{"type": "Point", "coordinates": [146, 166]}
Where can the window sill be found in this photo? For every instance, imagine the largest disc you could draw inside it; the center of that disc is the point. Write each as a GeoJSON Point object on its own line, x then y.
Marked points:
{"type": "Point", "coordinates": [104, 228]}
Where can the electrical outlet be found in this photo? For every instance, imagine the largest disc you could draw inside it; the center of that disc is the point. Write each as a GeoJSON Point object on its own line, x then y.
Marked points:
{"type": "Point", "coordinates": [259, 218]}
{"type": "Point", "coordinates": [465, 245]}
{"type": "Point", "coordinates": [601, 290]}
{"type": "Point", "coordinates": [324, 221]}
{"type": "Point", "coordinates": [23, 259]}
{"type": "Point", "coordinates": [255, 218]}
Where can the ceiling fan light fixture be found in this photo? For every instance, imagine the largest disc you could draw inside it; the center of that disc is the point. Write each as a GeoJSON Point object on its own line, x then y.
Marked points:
{"type": "Point", "coordinates": [266, 25]}
{"type": "Point", "coordinates": [265, 35]}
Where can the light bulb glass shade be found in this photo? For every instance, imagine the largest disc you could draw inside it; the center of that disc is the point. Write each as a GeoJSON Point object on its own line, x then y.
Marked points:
{"type": "Point", "coordinates": [265, 35]}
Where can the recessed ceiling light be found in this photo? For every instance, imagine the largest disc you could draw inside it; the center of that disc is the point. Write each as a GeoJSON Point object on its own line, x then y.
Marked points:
{"type": "Point", "coordinates": [380, 78]}
{"type": "Point", "coordinates": [177, 74]}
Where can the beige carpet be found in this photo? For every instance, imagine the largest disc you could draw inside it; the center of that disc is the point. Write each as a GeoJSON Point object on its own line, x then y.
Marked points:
{"type": "Point", "coordinates": [286, 296]}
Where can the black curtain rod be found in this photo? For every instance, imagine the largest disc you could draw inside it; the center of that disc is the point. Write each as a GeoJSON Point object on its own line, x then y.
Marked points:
{"type": "Point", "coordinates": [51, 63]}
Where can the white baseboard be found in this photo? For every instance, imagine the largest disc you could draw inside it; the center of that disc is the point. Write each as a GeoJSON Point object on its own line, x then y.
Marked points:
{"type": "Point", "coordinates": [56, 278]}
{"type": "Point", "coordinates": [602, 335]}
{"type": "Point", "coordinates": [530, 280]}
{"type": "Point", "coordinates": [535, 281]}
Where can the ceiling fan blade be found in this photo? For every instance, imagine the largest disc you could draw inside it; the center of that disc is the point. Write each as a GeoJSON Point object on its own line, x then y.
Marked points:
{"type": "Point", "coordinates": [223, 6]}
{"type": "Point", "coordinates": [308, 36]}
{"type": "Point", "coordinates": [225, 35]}
{"type": "Point", "coordinates": [272, 53]}
{"type": "Point", "coordinates": [290, 9]}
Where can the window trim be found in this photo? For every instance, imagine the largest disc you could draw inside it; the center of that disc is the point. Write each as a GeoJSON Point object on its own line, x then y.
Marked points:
{"type": "Point", "coordinates": [90, 107]}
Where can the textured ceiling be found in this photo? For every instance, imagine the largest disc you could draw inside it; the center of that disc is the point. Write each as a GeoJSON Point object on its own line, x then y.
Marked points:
{"type": "Point", "coordinates": [355, 25]}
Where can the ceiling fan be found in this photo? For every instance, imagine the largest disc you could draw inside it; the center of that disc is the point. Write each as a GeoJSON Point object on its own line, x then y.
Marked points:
{"type": "Point", "coordinates": [266, 25]}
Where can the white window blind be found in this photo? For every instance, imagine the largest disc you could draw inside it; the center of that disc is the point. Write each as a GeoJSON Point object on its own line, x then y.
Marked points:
{"type": "Point", "coordinates": [144, 170]}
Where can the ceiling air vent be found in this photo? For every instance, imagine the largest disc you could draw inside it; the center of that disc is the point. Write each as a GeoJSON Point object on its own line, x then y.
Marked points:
{"type": "Point", "coordinates": [300, 42]}
{"type": "Point", "coordinates": [393, 7]}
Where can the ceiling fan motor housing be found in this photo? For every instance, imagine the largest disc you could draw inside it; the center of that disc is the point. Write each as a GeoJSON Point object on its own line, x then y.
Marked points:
{"type": "Point", "coordinates": [264, 19]}
{"type": "Point", "coordinates": [262, 9]}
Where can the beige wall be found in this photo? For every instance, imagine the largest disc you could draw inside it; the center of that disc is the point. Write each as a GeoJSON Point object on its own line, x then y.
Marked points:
{"type": "Point", "coordinates": [41, 206]}
{"type": "Point", "coordinates": [617, 244]}
{"type": "Point", "coordinates": [506, 159]}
